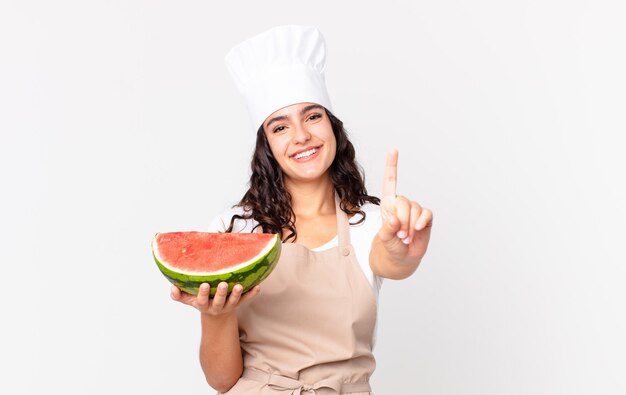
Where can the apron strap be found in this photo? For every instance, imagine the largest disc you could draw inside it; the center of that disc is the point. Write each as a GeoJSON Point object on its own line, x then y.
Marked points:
{"type": "Point", "coordinates": [322, 387]}
{"type": "Point", "coordinates": [343, 226]}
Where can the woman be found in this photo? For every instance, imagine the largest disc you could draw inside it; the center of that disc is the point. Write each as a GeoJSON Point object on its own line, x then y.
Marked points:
{"type": "Point", "coordinates": [312, 327]}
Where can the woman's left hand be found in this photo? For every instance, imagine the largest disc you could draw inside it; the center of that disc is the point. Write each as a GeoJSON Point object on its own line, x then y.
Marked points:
{"type": "Point", "coordinates": [405, 231]}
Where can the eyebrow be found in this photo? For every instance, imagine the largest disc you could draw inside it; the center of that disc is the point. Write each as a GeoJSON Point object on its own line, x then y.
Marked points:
{"type": "Point", "coordinates": [304, 110]}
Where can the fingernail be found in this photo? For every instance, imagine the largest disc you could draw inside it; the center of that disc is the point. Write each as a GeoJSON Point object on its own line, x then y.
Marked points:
{"type": "Point", "coordinates": [223, 286]}
{"type": "Point", "coordinates": [407, 240]}
{"type": "Point", "coordinates": [419, 226]}
{"type": "Point", "coordinates": [401, 234]}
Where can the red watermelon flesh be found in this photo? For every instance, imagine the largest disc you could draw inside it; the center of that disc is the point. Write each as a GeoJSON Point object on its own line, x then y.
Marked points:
{"type": "Point", "coordinates": [206, 252]}
{"type": "Point", "coordinates": [189, 259]}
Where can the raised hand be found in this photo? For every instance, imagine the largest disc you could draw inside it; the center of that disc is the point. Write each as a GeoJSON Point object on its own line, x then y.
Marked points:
{"type": "Point", "coordinates": [405, 231]}
{"type": "Point", "coordinates": [220, 304]}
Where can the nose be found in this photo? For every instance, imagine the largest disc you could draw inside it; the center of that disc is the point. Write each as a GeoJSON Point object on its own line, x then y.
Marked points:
{"type": "Point", "coordinates": [301, 134]}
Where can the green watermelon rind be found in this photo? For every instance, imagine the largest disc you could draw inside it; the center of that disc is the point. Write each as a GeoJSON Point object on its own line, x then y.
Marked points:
{"type": "Point", "coordinates": [248, 276]}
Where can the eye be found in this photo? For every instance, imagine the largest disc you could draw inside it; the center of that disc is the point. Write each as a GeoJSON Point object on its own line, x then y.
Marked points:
{"type": "Point", "coordinates": [278, 129]}
{"type": "Point", "coordinates": [314, 117]}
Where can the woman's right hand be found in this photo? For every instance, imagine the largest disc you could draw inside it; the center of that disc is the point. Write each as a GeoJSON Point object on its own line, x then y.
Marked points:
{"type": "Point", "coordinates": [221, 304]}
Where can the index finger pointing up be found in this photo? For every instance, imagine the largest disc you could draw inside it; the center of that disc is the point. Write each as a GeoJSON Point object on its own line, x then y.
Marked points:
{"type": "Point", "coordinates": [391, 174]}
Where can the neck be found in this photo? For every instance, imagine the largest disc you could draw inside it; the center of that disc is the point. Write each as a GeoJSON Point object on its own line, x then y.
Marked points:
{"type": "Point", "coordinates": [312, 198]}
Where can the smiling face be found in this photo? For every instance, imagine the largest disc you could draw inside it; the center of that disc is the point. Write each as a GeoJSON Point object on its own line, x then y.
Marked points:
{"type": "Point", "coordinates": [302, 141]}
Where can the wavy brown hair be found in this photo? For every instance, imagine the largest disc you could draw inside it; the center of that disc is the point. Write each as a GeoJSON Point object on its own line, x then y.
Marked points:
{"type": "Point", "coordinates": [269, 203]}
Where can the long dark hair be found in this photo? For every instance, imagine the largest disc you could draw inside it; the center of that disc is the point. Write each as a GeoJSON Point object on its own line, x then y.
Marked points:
{"type": "Point", "coordinates": [269, 203]}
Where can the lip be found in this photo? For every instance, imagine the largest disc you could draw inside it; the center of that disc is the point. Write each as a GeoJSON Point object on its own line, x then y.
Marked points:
{"type": "Point", "coordinates": [292, 156]}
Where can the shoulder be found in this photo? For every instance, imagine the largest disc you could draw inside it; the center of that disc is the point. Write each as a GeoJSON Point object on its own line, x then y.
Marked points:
{"type": "Point", "coordinates": [370, 208]}
{"type": "Point", "coordinates": [372, 218]}
{"type": "Point", "coordinates": [221, 222]}
{"type": "Point", "coordinates": [366, 230]}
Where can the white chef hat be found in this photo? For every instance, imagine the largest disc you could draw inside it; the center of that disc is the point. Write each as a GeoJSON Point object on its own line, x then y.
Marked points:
{"type": "Point", "coordinates": [278, 68]}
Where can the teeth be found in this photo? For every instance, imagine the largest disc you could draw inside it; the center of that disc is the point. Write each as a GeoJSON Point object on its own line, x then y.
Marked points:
{"type": "Point", "coordinates": [306, 153]}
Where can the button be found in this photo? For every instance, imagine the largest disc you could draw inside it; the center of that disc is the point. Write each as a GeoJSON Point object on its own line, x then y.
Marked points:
{"type": "Point", "coordinates": [346, 251]}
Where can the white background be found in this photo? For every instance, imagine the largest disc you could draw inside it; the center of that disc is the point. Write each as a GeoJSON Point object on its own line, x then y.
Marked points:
{"type": "Point", "coordinates": [118, 120]}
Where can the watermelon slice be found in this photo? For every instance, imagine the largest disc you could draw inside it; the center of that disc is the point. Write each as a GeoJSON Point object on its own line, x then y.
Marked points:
{"type": "Point", "coordinates": [188, 259]}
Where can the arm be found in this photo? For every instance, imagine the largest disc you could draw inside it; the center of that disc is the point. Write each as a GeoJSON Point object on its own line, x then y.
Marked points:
{"type": "Point", "coordinates": [401, 242]}
{"type": "Point", "coordinates": [220, 352]}
{"type": "Point", "coordinates": [220, 355]}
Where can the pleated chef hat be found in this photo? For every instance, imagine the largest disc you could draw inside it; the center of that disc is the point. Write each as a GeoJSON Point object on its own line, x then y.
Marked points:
{"type": "Point", "coordinates": [278, 68]}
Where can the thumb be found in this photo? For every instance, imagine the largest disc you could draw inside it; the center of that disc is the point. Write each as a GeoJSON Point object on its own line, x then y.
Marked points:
{"type": "Point", "coordinates": [389, 228]}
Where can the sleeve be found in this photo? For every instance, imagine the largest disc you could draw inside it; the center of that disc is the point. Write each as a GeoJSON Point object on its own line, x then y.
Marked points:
{"type": "Point", "coordinates": [222, 221]}
{"type": "Point", "coordinates": [362, 236]}
{"type": "Point", "coordinates": [218, 224]}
